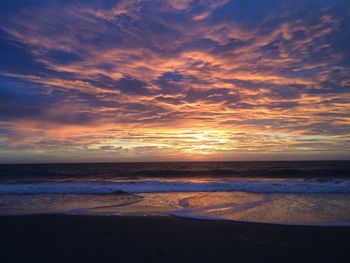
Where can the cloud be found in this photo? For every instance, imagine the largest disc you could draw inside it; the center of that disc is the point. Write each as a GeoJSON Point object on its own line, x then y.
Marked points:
{"type": "Point", "coordinates": [275, 72]}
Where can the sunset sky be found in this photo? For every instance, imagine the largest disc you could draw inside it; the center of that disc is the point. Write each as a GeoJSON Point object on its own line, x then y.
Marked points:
{"type": "Point", "coordinates": [152, 80]}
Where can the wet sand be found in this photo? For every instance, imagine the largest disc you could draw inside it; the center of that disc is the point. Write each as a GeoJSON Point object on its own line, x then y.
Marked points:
{"type": "Point", "coordinates": [71, 238]}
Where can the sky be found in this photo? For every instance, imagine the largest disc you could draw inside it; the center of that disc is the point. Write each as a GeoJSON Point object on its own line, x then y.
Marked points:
{"type": "Point", "coordinates": [174, 80]}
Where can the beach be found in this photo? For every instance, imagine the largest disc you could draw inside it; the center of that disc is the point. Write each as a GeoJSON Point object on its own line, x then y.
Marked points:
{"type": "Point", "coordinates": [77, 238]}
{"type": "Point", "coordinates": [171, 212]}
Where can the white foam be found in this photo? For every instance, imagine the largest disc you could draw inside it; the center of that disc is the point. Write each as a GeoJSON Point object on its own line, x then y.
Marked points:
{"type": "Point", "coordinates": [257, 186]}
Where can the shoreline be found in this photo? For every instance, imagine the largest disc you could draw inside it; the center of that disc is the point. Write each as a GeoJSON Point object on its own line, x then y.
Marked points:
{"type": "Point", "coordinates": [85, 238]}
{"type": "Point", "coordinates": [208, 219]}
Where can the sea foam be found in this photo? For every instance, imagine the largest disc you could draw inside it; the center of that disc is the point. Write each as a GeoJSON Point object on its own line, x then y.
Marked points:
{"type": "Point", "coordinates": [155, 186]}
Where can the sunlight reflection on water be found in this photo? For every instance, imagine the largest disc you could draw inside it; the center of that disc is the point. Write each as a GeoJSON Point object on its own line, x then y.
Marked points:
{"type": "Point", "coordinates": [307, 209]}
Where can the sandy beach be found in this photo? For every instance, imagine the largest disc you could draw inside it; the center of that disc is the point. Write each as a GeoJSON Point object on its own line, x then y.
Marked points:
{"type": "Point", "coordinates": [73, 238]}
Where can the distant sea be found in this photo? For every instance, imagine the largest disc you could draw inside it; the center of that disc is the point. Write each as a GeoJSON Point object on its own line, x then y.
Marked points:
{"type": "Point", "coordinates": [298, 192]}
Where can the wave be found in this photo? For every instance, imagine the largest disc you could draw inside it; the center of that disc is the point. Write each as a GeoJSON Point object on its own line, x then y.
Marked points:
{"type": "Point", "coordinates": [256, 186]}
{"type": "Point", "coordinates": [106, 171]}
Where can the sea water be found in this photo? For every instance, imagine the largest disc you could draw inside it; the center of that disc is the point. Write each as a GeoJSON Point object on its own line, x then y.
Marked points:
{"type": "Point", "coordinates": [308, 193]}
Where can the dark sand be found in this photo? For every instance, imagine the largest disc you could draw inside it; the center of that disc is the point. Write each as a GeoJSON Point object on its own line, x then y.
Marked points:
{"type": "Point", "coordinates": [62, 238]}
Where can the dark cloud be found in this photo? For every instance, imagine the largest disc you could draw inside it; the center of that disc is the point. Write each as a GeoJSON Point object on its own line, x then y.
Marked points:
{"type": "Point", "coordinates": [132, 86]}
{"type": "Point", "coordinates": [16, 57]}
{"type": "Point", "coordinates": [62, 57]}
{"type": "Point", "coordinates": [213, 95]}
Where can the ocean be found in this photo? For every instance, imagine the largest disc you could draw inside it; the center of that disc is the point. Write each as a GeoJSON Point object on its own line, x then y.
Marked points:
{"type": "Point", "coordinates": [295, 192]}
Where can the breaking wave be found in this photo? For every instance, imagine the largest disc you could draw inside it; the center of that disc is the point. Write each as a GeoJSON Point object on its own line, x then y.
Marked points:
{"type": "Point", "coordinates": [155, 186]}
